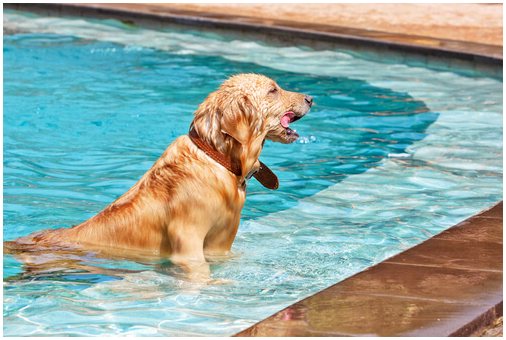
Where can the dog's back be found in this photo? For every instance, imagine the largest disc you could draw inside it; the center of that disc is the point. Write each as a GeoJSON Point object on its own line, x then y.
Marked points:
{"type": "Point", "coordinates": [181, 190]}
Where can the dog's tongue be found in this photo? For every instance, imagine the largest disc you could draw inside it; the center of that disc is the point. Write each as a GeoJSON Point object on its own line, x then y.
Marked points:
{"type": "Point", "coordinates": [286, 119]}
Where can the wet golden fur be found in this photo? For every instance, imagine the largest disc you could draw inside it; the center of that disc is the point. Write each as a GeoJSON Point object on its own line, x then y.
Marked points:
{"type": "Point", "coordinates": [187, 205]}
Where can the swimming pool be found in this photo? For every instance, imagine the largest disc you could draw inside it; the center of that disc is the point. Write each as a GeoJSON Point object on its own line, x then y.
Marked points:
{"type": "Point", "coordinates": [389, 155]}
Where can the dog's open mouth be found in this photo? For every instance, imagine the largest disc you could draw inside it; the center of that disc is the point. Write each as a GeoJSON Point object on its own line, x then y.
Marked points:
{"type": "Point", "coordinates": [289, 117]}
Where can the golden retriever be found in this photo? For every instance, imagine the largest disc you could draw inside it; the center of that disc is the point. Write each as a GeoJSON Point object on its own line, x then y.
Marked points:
{"type": "Point", "coordinates": [188, 204]}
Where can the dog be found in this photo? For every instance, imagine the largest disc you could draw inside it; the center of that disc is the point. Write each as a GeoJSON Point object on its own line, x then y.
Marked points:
{"type": "Point", "coordinates": [188, 205]}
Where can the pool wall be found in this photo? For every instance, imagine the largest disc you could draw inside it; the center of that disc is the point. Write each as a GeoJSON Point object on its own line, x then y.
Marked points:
{"type": "Point", "coordinates": [469, 254]}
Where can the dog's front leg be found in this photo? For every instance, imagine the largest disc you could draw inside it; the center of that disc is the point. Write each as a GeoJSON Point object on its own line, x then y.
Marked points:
{"type": "Point", "coordinates": [194, 270]}
{"type": "Point", "coordinates": [188, 253]}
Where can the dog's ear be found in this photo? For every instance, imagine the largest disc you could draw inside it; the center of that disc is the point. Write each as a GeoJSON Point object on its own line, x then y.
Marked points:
{"type": "Point", "coordinates": [241, 119]}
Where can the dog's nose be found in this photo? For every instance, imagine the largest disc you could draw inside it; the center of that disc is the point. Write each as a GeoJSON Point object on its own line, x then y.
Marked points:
{"type": "Point", "coordinates": [309, 100]}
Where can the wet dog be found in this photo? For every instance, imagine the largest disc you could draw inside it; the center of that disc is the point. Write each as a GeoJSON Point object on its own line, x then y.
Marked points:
{"type": "Point", "coordinates": [188, 205]}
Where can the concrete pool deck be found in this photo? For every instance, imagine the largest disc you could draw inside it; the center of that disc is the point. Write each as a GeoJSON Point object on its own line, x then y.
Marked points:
{"type": "Point", "coordinates": [470, 29]}
{"type": "Point", "coordinates": [478, 23]}
{"type": "Point", "coordinates": [408, 294]}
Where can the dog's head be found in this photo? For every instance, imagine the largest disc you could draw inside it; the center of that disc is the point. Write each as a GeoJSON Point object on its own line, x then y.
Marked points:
{"type": "Point", "coordinates": [246, 110]}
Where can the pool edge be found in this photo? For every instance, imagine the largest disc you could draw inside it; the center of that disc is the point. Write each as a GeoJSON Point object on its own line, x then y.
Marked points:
{"type": "Point", "coordinates": [386, 41]}
{"type": "Point", "coordinates": [402, 295]}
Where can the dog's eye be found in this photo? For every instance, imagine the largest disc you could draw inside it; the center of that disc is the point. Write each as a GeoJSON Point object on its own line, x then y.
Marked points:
{"type": "Point", "coordinates": [273, 90]}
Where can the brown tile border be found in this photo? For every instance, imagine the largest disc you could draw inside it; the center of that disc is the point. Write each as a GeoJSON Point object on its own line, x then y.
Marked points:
{"type": "Point", "coordinates": [450, 285]}
{"type": "Point", "coordinates": [151, 13]}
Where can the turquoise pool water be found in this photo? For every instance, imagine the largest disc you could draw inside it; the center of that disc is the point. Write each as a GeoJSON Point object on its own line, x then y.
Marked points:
{"type": "Point", "coordinates": [391, 154]}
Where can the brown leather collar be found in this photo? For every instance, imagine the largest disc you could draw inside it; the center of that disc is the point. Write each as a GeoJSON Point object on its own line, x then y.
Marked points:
{"type": "Point", "coordinates": [264, 175]}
